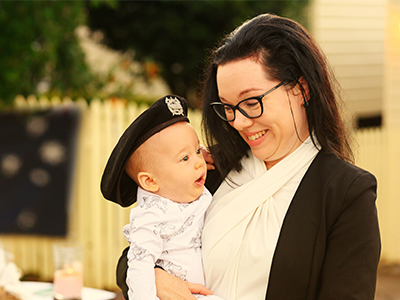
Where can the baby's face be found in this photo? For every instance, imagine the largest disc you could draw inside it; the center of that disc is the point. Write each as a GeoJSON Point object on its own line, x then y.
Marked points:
{"type": "Point", "coordinates": [180, 169]}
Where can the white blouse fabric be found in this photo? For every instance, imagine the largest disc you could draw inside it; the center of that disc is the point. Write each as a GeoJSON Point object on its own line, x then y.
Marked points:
{"type": "Point", "coordinates": [167, 234]}
{"type": "Point", "coordinates": [244, 220]}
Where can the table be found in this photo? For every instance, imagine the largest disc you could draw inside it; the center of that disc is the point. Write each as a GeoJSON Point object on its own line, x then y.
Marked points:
{"type": "Point", "coordinates": [44, 291]}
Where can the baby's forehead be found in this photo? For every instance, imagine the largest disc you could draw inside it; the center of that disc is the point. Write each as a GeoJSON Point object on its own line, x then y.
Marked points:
{"type": "Point", "coordinates": [176, 136]}
{"type": "Point", "coordinates": [176, 130]}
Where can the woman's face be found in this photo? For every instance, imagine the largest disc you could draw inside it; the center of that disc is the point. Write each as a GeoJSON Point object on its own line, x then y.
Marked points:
{"type": "Point", "coordinates": [272, 136]}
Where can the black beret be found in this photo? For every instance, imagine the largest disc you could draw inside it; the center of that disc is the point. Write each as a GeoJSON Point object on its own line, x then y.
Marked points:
{"type": "Point", "coordinates": [116, 185]}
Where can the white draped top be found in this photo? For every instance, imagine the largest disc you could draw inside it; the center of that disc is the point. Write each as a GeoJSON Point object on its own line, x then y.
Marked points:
{"type": "Point", "coordinates": [244, 220]}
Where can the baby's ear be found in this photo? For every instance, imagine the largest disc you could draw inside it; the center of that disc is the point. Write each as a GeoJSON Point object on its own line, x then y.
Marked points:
{"type": "Point", "coordinates": [147, 182]}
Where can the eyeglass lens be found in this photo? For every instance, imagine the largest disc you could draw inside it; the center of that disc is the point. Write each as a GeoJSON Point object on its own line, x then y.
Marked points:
{"type": "Point", "coordinates": [250, 108]}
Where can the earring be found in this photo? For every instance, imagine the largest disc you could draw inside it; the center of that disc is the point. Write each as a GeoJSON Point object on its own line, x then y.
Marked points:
{"type": "Point", "coordinates": [305, 103]}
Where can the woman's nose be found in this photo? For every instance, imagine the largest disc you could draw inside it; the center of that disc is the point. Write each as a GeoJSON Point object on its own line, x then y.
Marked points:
{"type": "Point", "coordinates": [241, 122]}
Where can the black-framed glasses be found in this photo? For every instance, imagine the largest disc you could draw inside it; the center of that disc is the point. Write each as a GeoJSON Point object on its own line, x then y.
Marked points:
{"type": "Point", "coordinates": [251, 107]}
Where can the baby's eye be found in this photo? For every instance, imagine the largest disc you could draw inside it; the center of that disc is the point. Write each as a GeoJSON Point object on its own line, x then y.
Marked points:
{"type": "Point", "coordinates": [186, 158]}
{"type": "Point", "coordinates": [198, 151]}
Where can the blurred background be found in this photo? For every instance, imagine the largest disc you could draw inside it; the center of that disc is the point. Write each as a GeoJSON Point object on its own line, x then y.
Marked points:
{"type": "Point", "coordinates": [74, 74]}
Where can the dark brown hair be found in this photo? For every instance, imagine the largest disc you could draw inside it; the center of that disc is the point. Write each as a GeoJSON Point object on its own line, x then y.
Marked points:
{"type": "Point", "coordinates": [287, 52]}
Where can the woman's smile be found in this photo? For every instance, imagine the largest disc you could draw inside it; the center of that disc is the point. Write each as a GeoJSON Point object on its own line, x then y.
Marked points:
{"type": "Point", "coordinates": [256, 136]}
{"type": "Point", "coordinates": [254, 139]}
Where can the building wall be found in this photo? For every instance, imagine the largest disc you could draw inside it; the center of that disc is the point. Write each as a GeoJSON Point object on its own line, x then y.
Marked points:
{"type": "Point", "coordinates": [391, 105]}
{"type": "Point", "coordinates": [351, 33]}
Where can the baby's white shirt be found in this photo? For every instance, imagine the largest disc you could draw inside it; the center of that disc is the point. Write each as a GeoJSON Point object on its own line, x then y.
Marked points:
{"type": "Point", "coordinates": [164, 233]}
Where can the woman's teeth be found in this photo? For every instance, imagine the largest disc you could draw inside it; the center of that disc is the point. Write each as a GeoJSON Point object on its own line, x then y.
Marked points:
{"type": "Point", "coordinates": [256, 136]}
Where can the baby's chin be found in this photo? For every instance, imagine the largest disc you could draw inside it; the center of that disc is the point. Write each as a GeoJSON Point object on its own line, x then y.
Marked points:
{"type": "Point", "coordinates": [182, 199]}
{"type": "Point", "coordinates": [190, 199]}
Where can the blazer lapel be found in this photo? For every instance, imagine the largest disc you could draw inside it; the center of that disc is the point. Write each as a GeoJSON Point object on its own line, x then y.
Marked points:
{"type": "Point", "coordinates": [301, 243]}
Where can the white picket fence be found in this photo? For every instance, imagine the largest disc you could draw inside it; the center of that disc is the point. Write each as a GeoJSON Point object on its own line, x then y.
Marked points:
{"type": "Point", "coordinates": [94, 221]}
{"type": "Point", "coordinates": [378, 151]}
{"type": "Point", "coordinates": [97, 223]}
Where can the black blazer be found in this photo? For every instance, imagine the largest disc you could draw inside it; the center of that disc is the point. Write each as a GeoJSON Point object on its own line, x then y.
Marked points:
{"type": "Point", "coordinates": [329, 245]}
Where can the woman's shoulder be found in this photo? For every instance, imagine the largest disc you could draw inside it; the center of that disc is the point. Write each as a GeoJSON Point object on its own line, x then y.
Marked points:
{"type": "Point", "coordinates": [332, 165]}
{"type": "Point", "coordinates": [334, 172]}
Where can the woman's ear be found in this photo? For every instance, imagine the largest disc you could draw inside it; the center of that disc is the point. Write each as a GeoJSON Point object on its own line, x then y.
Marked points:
{"type": "Point", "coordinates": [147, 182]}
{"type": "Point", "coordinates": [304, 84]}
{"type": "Point", "coordinates": [302, 88]}
{"type": "Point", "coordinates": [296, 90]}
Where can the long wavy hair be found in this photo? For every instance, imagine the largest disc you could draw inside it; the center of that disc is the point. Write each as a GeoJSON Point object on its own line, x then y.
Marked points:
{"type": "Point", "coordinates": [287, 52]}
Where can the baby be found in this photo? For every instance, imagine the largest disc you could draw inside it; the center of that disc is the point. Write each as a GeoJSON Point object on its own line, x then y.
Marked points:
{"type": "Point", "coordinates": [158, 162]}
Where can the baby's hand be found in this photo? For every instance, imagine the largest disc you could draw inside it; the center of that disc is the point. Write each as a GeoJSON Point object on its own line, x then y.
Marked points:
{"type": "Point", "coordinates": [207, 157]}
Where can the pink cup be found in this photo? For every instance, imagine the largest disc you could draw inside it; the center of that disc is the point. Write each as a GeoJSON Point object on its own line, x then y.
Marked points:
{"type": "Point", "coordinates": [68, 267]}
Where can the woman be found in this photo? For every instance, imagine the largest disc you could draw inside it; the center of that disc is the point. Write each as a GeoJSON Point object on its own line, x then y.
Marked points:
{"type": "Point", "coordinates": [293, 218]}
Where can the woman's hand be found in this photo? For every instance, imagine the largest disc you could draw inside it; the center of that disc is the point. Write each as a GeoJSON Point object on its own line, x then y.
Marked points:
{"type": "Point", "coordinates": [170, 287]}
{"type": "Point", "coordinates": [197, 288]}
{"type": "Point", "coordinates": [207, 157]}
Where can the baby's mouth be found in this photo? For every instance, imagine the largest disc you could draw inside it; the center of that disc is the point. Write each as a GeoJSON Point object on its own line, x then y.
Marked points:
{"type": "Point", "coordinates": [200, 181]}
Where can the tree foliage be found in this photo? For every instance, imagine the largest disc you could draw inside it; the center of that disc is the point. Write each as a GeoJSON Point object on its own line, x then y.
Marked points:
{"type": "Point", "coordinates": [176, 35]}
{"type": "Point", "coordinates": [39, 48]}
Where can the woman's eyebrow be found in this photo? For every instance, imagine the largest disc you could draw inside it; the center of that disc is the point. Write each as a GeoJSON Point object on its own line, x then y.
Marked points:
{"type": "Point", "coordinates": [248, 91]}
{"type": "Point", "coordinates": [243, 92]}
